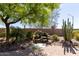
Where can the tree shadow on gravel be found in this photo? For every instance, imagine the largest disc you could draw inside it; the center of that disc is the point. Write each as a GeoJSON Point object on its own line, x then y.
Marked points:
{"type": "Point", "coordinates": [20, 50]}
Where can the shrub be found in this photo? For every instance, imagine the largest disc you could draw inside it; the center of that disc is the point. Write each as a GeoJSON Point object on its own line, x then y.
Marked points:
{"type": "Point", "coordinates": [40, 37]}
{"type": "Point", "coordinates": [2, 34]}
{"type": "Point", "coordinates": [75, 33]}
{"type": "Point", "coordinates": [29, 35]}
{"type": "Point", "coordinates": [77, 37]}
{"type": "Point", "coordinates": [37, 34]}
{"type": "Point", "coordinates": [18, 33]}
{"type": "Point", "coordinates": [54, 38]}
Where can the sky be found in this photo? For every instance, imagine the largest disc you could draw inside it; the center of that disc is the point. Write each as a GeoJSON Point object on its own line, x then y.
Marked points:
{"type": "Point", "coordinates": [67, 10]}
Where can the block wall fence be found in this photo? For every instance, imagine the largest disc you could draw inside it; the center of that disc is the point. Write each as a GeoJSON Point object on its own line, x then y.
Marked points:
{"type": "Point", "coordinates": [50, 31]}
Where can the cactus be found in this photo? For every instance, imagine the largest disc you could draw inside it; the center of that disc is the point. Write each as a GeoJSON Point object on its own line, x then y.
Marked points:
{"type": "Point", "coordinates": [67, 29]}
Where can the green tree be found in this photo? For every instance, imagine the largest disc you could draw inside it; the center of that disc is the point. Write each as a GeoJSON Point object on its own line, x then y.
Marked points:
{"type": "Point", "coordinates": [26, 13]}
{"type": "Point", "coordinates": [42, 14]}
{"type": "Point", "coordinates": [10, 14]}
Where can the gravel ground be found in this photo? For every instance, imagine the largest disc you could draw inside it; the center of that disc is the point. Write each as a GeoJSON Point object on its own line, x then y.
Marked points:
{"type": "Point", "coordinates": [54, 50]}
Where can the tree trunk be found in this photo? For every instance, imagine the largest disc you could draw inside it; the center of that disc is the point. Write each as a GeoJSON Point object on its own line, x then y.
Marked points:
{"type": "Point", "coordinates": [7, 33]}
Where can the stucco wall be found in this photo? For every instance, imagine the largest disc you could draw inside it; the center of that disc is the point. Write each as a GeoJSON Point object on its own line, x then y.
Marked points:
{"type": "Point", "coordinates": [49, 31]}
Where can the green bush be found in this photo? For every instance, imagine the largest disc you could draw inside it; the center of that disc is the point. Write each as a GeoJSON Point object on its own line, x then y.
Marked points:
{"type": "Point", "coordinates": [2, 34]}
{"type": "Point", "coordinates": [77, 37]}
{"type": "Point", "coordinates": [54, 38]}
{"type": "Point", "coordinates": [18, 33]}
{"type": "Point", "coordinates": [75, 33]}
{"type": "Point", "coordinates": [29, 35]}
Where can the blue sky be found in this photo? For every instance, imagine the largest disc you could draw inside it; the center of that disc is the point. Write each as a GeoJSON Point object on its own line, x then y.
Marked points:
{"type": "Point", "coordinates": [65, 11]}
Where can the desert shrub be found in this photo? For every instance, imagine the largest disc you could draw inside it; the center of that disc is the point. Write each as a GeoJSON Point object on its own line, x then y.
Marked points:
{"type": "Point", "coordinates": [40, 37]}
{"type": "Point", "coordinates": [54, 38]}
{"type": "Point", "coordinates": [44, 37]}
{"type": "Point", "coordinates": [2, 34]}
{"type": "Point", "coordinates": [75, 33]}
{"type": "Point", "coordinates": [18, 33]}
{"type": "Point", "coordinates": [37, 34]}
{"type": "Point", "coordinates": [29, 35]}
{"type": "Point", "coordinates": [77, 37]}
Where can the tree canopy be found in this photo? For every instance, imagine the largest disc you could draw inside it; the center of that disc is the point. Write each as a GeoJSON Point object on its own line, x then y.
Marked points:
{"type": "Point", "coordinates": [26, 13]}
{"type": "Point", "coordinates": [40, 13]}
{"type": "Point", "coordinates": [29, 13]}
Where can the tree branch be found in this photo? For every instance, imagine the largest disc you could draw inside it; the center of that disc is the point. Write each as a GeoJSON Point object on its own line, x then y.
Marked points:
{"type": "Point", "coordinates": [20, 18]}
{"type": "Point", "coordinates": [7, 17]}
{"type": "Point", "coordinates": [15, 21]}
{"type": "Point", "coordinates": [2, 19]}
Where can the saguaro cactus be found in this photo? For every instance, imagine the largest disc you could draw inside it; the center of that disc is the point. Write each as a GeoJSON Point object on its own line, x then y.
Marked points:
{"type": "Point", "coordinates": [67, 29]}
